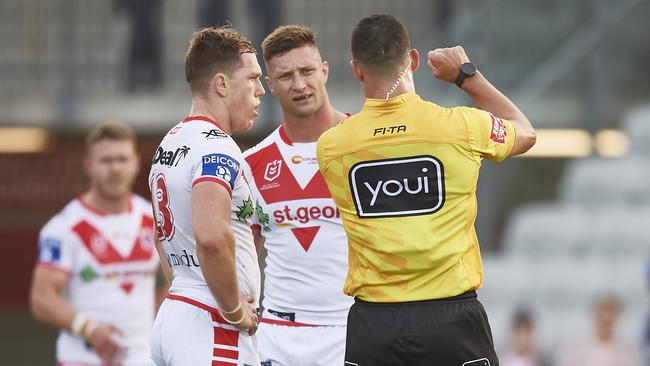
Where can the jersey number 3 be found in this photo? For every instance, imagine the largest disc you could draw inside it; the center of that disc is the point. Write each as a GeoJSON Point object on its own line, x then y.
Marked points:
{"type": "Point", "coordinates": [164, 216]}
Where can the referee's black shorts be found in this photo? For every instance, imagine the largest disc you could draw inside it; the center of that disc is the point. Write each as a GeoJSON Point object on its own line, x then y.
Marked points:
{"type": "Point", "coordinates": [443, 332]}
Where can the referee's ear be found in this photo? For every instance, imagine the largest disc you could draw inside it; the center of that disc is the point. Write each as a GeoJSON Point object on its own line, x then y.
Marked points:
{"type": "Point", "coordinates": [415, 59]}
{"type": "Point", "coordinates": [356, 70]}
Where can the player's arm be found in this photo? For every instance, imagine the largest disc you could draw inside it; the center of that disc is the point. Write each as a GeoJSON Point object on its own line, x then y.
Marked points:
{"type": "Point", "coordinates": [48, 305]}
{"type": "Point", "coordinates": [445, 65]}
{"type": "Point", "coordinates": [45, 300]}
{"type": "Point", "coordinates": [215, 247]}
{"type": "Point", "coordinates": [258, 238]}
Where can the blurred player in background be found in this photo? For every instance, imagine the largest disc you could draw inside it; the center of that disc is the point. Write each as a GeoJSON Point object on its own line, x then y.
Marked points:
{"type": "Point", "coordinates": [95, 275]}
{"type": "Point", "coordinates": [403, 173]}
{"type": "Point", "coordinates": [296, 220]}
{"type": "Point", "coordinates": [523, 348]}
{"type": "Point", "coordinates": [203, 207]}
{"type": "Point", "coordinates": [604, 348]}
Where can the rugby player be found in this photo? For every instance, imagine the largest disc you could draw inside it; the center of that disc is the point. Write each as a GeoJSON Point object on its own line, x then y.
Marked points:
{"type": "Point", "coordinates": [95, 275]}
{"type": "Point", "coordinates": [403, 173]}
{"type": "Point", "coordinates": [296, 220]}
{"type": "Point", "coordinates": [203, 206]}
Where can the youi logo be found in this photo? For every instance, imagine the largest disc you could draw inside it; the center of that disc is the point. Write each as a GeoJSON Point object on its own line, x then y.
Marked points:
{"type": "Point", "coordinates": [398, 187]}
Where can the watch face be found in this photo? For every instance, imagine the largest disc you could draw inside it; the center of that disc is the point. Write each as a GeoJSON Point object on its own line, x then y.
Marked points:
{"type": "Point", "coordinates": [468, 68]}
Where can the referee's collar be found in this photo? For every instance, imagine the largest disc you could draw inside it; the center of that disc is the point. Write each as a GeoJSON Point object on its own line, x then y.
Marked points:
{"type": "Point", "coordinates": [390, 103]}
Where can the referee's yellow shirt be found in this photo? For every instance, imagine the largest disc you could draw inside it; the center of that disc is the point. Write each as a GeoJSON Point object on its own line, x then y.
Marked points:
{"type": "Point", "coordinates": [403, 174]}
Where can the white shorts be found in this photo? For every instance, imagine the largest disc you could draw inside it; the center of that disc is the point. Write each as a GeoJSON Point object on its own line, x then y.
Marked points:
{"type": "Point", "coordinates": [187, 332]}
{"type": "Point", "coordinates": [282, 345]}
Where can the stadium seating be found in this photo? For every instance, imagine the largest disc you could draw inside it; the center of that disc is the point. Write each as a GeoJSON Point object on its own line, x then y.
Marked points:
{"type": "Point", "coordinates": [560, 256]}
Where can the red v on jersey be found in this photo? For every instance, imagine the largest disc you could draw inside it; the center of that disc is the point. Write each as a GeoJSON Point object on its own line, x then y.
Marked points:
{"type": "Point", "coordinates": [104, 252]}
{"type": "Point", "coordinates": [305, 235]}
{"type": "Point", "coordinates": [284, 187]}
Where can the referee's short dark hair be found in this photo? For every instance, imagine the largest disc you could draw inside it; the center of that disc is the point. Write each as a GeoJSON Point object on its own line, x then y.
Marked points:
{"type": "Point", "coordinates": [381, 45]}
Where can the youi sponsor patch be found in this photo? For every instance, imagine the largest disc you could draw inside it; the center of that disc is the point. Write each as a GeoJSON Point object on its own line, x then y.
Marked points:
{"type": "Point", "coordinates": [221, 166]}
{"type": "Point", "coordinates": [398, 187]}
{"type": "Point", "coordinates": [49, 250]}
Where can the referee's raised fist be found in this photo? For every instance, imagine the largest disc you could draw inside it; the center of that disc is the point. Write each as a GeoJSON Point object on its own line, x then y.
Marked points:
{"type": "Point", "coordinates": [445, 62]}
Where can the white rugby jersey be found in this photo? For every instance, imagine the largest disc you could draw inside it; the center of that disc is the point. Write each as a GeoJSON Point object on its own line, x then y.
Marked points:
{"type": "Point", "coordinates": [111, 262]}
{"type": "Point", "coordinates": [193, 151]}
{"type": "Point", "coordinates": [306, 262]}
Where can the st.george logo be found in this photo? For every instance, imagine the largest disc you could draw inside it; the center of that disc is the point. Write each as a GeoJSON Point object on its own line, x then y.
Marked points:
{"type": "Point", "coordinates": [273, 170]}
{"type": "Point", "coordinates": [398, 187]}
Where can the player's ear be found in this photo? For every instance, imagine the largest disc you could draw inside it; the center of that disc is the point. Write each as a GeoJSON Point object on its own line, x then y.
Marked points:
{"type": "Point", "coordinates": [356, 70]}
{"type": "Point", "coordinates": [326, 70]}
{"type": "Point", "coordinates": [415, 59]}
{"type": "Point", "coordinates": [219, 84]}
{"type": "Point", "coordinates": [269, 83]}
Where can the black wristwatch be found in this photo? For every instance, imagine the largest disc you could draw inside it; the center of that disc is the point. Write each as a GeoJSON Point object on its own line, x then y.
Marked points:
{"type": "Point", "coordinates": [467, 70]}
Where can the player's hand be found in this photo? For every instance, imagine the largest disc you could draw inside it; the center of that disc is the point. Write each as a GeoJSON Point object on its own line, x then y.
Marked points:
{"type": "Point", "coordinates": [445, 62]}
{"type": "Point", "coordinates": [250, 321]}
{"type": "Point", "coordinates": [104, 342]}
{"type": "Point", "coordinates": [249, 314]}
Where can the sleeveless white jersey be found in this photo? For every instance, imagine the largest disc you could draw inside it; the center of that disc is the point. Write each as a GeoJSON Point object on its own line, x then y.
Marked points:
{"type": "Point", "coordinates": [306, 262]}
{"type": "Point", "coordinates": [193, 151]}
{"type": "Point", "coordinates": [111, 262]}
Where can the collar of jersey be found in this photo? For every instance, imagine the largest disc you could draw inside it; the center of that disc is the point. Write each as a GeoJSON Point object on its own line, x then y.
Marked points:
{"type": "Point", "coordinates": [202, 118]}
{"type": "Point", "coordinates": [285, 138]}
{"type": "Point", "coordinates": [283, 135]}
{"type": "Point", "coordinates": [393, 102]}
{"type": "Point", "coordinates": [85, 205]}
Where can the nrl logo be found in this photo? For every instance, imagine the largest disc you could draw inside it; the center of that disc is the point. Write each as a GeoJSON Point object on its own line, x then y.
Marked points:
{"type": "Point", "coordinates": [272, 170]}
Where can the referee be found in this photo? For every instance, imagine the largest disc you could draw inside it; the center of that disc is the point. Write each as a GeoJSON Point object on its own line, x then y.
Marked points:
{"type": "Point", "coordinates": [403, 173]}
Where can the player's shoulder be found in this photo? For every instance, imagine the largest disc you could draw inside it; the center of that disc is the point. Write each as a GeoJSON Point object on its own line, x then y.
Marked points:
{"type": "Point", "coordinates": [201, 139]}
{"type": "Point", "coordinates": [264, 151]}
{"type": "Point", "coordinates": [62, 222]}
{"type": "Point", "coordinates": [269, 140]}
{"type": "Point", "coordinates": [141, 204]}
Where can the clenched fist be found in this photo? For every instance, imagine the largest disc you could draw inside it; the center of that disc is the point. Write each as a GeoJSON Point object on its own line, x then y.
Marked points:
{"type": "Point", "coordinates": [445, 62]}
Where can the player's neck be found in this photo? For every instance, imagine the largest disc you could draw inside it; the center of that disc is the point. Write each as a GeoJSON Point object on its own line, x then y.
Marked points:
{"type": "Point", "coordinates": [214, 111]}
{"type": "Point", "coordinates": [106, 205]}
{"type": "Point", "coordinates": [303, 129]}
